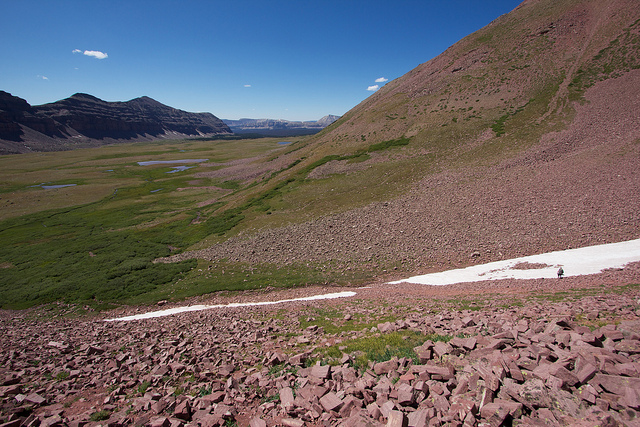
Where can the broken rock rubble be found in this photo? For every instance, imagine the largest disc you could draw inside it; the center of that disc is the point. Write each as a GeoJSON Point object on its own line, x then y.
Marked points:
{"type": "Point", "coordinates": [537, 364]}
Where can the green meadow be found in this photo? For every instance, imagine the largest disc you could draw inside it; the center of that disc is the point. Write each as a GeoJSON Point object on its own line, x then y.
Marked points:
{"type": "Point", "coordinates": [94, 242]}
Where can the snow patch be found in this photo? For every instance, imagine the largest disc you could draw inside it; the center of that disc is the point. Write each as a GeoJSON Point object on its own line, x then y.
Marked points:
{"type": "Point", "coordinates": [177, 310]}
{"type": "Point", "coordinates": [574, 262]}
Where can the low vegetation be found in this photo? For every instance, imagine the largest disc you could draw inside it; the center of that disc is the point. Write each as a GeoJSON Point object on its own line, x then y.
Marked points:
{"type": "Point", "coordinates": [100, 415]}
{"type": "Point", "coordinates": [382, 347]}
{"type": "Point", "coordinates": [94, 251]}
{"type": "Point", "coordinates": [98, 243]}
{"type": "Point", "coordinates": [622, 55]}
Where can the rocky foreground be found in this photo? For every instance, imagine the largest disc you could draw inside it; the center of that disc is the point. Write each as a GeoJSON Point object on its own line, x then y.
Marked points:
{"type": "Point", "coordinates": [540, 352]}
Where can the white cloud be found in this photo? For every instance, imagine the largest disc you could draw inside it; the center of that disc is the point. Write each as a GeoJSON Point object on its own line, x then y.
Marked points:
{"type": "Point", "coordinates": [373, 88]}
{"type": "Point", "coordinates": [94, 53]}
{"type": "Point", "coordinates": [381, 80]}
{"type": "Point", "coordinates": [43, 77]}
{"type": "Point", "coordinates": [247, 85]}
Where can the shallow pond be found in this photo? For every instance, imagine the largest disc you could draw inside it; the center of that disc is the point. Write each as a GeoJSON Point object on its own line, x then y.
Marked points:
{"type": "Point", "coordinates": [49, 187]}
{"type": "Point", "coordinates": [179, 169]}
{"type": "Point", "coordinates": [168, 162]}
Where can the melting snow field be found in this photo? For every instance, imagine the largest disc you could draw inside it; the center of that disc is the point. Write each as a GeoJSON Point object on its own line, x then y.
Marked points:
{"type": "Point", "coordinates": [574, 262]}
{"type": "Point", "coordinates": [177, 310]}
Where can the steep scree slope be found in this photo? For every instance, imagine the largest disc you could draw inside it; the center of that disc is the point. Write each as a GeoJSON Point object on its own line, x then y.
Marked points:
{"type": "Point", "coordinates": [522, 138]}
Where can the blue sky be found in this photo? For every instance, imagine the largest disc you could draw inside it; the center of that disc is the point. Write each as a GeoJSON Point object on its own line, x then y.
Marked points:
{"type": "Point", "coordinates": [289, 59]}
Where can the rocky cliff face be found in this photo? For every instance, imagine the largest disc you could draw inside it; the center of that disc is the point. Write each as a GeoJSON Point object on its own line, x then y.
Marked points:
{"type": "Point", "coordinates": [84, 120]}
{"type": "Point", "coordinates": [16, 114]}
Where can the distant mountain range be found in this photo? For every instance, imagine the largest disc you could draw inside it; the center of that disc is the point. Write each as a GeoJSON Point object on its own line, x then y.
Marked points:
{"type": "Point", "coordinates": [84, 120]}
{"type": "Point", "coordinates": [279, 127]}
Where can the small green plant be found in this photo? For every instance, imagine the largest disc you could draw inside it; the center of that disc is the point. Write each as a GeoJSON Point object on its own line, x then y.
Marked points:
{"type": "Point", "coordinates": [498, 126]}
{"type": "Point", "coordinates": [61, 376]}
{"type": "Point", "coordinates": [273, 398]}
{"type": "Point", "coordinates": [310, 362]}
{"type": "Point", "coordinates": [276, 369]}
{"type": "Point", "coordinates": [282, 368]}
{"type": "Point", "coordinates": [100, 415]}
{"type": "Point", "coordinates": [142, 388]}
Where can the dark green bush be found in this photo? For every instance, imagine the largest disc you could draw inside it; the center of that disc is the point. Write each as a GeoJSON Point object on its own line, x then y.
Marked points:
{"type": "Point", "coordinates": [384, 145]}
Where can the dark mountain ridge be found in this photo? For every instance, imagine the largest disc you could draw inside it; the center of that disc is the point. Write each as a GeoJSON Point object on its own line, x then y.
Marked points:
{"type": "Point", "coordinates": [84, 120]}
